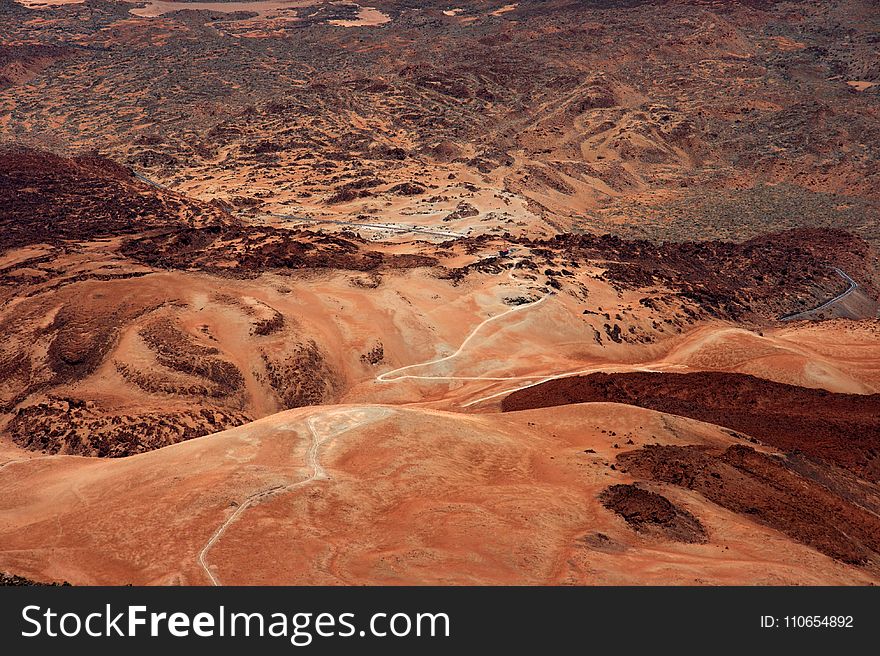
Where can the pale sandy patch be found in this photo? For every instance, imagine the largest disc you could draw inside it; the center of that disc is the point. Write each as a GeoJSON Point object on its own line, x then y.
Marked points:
{"type": "Point", "coordinates": [156, 8]}
{"type": "Point", "coordinates": [367, 17]}
{"type": "Point", "coordinates": [786, 45]}
{"type": "Point", "coordinates": [47, 4]}
{"type": "Point", "coordinates": [861, 85]}
{"type": "Point", "coordinates": [504, 9]}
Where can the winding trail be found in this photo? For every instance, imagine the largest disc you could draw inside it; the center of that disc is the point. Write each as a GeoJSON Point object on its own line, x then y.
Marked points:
{"type": "Point", "coordinates": [535, 379]}
{"type": "Point", "coordinates": [317, 473]}
{"type": "Point", "coordinates": [391, 376]}
{"type": "Point", "coordinates": [351, 418]}
{"type": "Point", "coordinates": [853, 285]}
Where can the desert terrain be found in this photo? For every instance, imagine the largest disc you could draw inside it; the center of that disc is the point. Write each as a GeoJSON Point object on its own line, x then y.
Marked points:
{"type": "Point", "coordinates": [395, 293]}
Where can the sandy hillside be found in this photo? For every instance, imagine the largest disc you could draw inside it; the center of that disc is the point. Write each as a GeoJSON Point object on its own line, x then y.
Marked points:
{"type": "Point", "coordinates": [489, 499]}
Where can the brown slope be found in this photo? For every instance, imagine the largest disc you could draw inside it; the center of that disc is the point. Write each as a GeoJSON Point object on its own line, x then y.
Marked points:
{"type": "Point", "coordinates": [22, 61]}
{"type": "Point", "coordinates": [48, 198]}
{"type": "Point", "coordinates": [767, 489]}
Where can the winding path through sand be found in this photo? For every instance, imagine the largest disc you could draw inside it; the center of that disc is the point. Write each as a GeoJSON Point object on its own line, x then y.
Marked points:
{"type": "Point", "coordinates": [390, 376]}
{"type": "Point", "coordinates": [535, 379]}
{"type": "Point", "coordinates": [317, 473]}
{"type": "Point", "coordinates": [318, 435]}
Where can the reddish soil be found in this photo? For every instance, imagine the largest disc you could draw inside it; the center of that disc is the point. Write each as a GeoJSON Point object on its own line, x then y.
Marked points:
{"type": "Point", "coordinates": [156, 284]}
{"type": "Point", "coordinates": [423, 497]}
{"type": "Point", "coordinates": [177, 351]}
{"type": "Point", "coordinates": [78, 339]}
{"type": "Point", "coordinates": [767, 489]}
{"type": "Point", "coordinates": [843, 429]}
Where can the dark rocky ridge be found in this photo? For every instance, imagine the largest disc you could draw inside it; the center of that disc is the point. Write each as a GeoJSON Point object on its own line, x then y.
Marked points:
{"type": "Point", "coordinates": [242, 251]}
{"type": "Point", "coordinates": [13, 580]}
{"type": "Point", "coordinates": [46, 198]}
{"type": "Point", "coordinates": [843, 429]}
{"type": "Point", "coordinates": [75, 427]}
{"type": "Point", "coordinates": [21, 61]}
{"type": "Point", "coordinates": [758, 280]}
